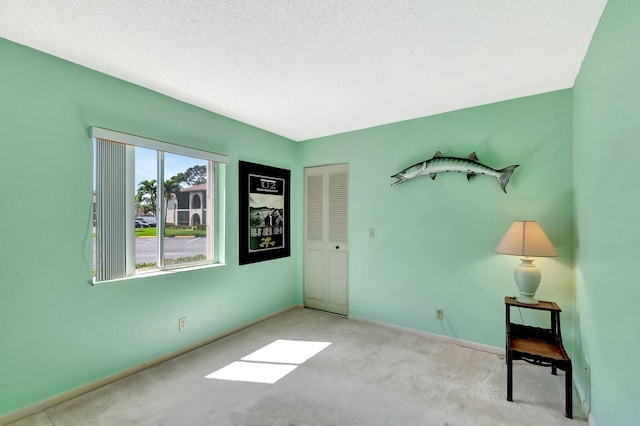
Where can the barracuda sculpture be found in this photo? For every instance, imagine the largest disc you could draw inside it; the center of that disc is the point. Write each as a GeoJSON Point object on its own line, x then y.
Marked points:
{"type": "Point", "coordinates": [439, 163]}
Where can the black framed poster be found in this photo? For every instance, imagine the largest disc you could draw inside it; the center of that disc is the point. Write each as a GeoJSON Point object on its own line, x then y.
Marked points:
{"type": "Point", "coordinates": [264, 212]}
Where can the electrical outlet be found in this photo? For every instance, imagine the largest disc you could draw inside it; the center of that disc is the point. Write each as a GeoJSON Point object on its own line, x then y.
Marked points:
{"type": "Point", "coordinates": [182, 323]}
{"type": "Point", "coordinates": [439, 314]}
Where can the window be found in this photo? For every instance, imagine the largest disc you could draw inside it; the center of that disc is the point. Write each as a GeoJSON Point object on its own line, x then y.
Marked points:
{"type": "Point", "coordinates": [196, 202]}
{"type": "Point", "coordinates": [142, 226]}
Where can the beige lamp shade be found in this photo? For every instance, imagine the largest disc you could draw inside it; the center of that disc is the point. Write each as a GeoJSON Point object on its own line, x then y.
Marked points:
{"type": "Point", "coordinates": [526, 238]}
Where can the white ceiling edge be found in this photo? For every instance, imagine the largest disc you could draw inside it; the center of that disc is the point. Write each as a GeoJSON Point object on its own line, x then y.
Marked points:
{"type": "Point", "coordinates": [305, 70]}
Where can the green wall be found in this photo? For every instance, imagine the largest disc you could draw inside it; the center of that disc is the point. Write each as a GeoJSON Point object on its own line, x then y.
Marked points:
{"type": "Point", "coordinates": [58, 331]}
{"type": "Point", "coordinates": [607, 148]}
{"type": "Point", "coordinates": [434, 240]}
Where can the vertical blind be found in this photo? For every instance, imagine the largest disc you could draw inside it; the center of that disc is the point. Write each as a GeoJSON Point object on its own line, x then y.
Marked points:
{"type": "Point", "coordinates": [115, 257]}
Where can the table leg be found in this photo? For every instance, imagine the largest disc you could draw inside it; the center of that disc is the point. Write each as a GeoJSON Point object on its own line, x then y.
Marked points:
{"type": "Point", "coordinates": [509, 376]}
{"type": "Point", "coordinates": [569, 391]}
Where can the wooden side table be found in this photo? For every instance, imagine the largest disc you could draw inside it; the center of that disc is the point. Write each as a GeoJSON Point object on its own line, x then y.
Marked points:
{"type": "Point", "coordinates": [538, 346]}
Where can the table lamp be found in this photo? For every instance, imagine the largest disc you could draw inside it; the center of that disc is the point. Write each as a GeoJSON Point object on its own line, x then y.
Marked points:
{"type": "Point", "coordinates": [525, 238]}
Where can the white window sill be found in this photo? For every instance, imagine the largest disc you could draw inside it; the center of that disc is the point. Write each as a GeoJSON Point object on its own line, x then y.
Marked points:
{"type": "Point", "coordinates": [156, 273]}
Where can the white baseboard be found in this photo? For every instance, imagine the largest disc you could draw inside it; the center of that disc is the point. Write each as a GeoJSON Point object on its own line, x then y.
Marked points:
{"type": "Point", "coordinates": [80, 390]}
{"type": "Point", "coordinates": [585, 405]}
{"type": "Point", "coordinates": [464, 343]}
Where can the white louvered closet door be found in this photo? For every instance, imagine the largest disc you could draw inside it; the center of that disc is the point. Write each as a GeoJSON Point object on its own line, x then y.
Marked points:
{"type": "Point", "coordinates": [326, 238]}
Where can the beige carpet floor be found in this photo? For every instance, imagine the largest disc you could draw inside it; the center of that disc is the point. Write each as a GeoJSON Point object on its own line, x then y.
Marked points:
{"type": "Point", "coordinates": [367, 375]}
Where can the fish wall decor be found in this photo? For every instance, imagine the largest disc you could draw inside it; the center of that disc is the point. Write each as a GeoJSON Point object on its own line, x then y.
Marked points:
{"type": "Point", "coordinates": [470, 165]}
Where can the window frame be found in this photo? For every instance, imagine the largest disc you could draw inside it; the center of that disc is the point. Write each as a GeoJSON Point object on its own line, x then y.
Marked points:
{"type": "Point", "coordinates": [216, 163]}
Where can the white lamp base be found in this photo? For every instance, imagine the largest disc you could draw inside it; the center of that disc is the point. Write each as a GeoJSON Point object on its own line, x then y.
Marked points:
{"type": "Point", "coordinates": [527, 277]}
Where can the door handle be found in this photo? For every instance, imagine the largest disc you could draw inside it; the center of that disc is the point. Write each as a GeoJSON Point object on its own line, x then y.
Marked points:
{"type": "Point", "coordinates": [337, 247]}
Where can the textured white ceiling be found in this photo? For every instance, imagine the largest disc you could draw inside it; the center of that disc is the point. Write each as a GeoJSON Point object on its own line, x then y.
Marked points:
{"type": "Point", "coordinates": [305, 69]}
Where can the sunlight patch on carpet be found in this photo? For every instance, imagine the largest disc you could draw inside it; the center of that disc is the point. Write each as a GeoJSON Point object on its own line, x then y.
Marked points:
{"type": "Point", "coordinates": [287, 351]}
{"type": "Point", "coordinates": [252, 372]}
{"type": "Point", "coordinates": [271, 362]}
